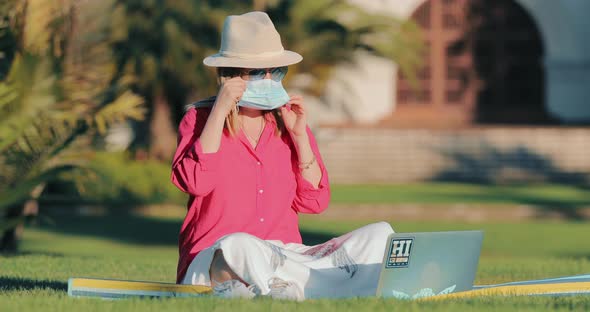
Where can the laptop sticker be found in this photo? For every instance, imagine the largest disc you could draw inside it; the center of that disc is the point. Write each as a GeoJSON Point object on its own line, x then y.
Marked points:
{"type": "Point", "coordinates": [423, 293]}
{"type": "Point", "coordinates": [399, 253]}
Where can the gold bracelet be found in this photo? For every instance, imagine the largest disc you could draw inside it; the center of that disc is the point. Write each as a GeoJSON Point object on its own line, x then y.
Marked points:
{"type": "Point", "coordinates": [307, 164]}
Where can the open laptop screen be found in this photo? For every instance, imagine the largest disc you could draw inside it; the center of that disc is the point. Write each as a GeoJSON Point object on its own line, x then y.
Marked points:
{"type": "Point", "coordinates": [430, 263]}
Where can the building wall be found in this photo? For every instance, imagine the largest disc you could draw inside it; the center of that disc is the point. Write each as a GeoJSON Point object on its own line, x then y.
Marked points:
{"type": "Point", "coordinates": [566, 33]}
{"type": "Point", "coordinates": [566, 36]}
{"type": "Point", "coordinates": [486, 155]}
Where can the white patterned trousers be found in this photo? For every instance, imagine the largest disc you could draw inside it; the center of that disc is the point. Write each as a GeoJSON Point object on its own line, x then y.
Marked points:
{"type": "Point", "coordinates": [345, 266]}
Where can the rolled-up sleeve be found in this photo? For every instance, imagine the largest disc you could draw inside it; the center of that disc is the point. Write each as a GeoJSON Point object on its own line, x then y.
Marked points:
{"type": "Point", "coordinates": [193, 171]}
{"type": "Point", "coordinates": [308, 198]}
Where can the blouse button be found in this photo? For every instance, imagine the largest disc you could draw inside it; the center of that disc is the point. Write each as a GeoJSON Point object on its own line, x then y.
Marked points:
{"type": "Point", "coordinates": [261, 219]}
{"type": "Point", "coordinates": [260, 191]}
{"type": "Point", "coordinates": [258, 163]}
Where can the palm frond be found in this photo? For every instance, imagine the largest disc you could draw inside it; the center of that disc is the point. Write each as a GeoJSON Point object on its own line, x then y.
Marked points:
{"type": "Point", "coordinates": [127, 106]}
{"type": "Point", "coordinates": [57, 91]}
{"type": "Point", "coordinates": [327, 32]}
{"type": "Point", "coordinates": [28, 92]}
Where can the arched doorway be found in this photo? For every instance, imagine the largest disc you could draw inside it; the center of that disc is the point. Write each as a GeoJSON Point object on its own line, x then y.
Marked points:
{"type": "Point", "coordinates": [483, 65]}
{"type": "Point", "coordinates": [507, 53]}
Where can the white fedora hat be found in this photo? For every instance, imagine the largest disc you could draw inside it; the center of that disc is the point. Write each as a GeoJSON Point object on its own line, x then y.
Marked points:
{"type": "Point", "coordinates": [251, 41]}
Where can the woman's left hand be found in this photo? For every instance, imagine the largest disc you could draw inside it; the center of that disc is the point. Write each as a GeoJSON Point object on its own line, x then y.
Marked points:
{"type": "Point", "coordinates": [294, 116]}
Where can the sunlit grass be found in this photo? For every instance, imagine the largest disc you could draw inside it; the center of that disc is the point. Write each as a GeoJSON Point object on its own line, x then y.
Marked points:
{"type": "Point", "coordinates": [451, 193]}
{"type": "Point", "coordinates": [36, 278]}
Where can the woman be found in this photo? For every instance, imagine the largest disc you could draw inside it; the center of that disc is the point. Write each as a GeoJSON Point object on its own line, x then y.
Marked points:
{"type": "Point", "coordinates": [250, 164]}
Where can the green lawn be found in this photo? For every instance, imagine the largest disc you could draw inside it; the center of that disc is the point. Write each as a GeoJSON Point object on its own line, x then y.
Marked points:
{"type": "Point", "coordinates": [452, 193]}
{"type": "Point", "coordinates": [141, 248]}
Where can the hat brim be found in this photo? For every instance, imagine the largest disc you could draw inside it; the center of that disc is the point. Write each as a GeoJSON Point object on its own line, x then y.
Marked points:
{"type": "Point", "coordinates": [284, 59]}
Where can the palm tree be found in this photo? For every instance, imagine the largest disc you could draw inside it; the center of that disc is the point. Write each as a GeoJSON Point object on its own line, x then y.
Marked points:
{"type": "Point", "coordinates": [161, 44]}
{"type": "Point", "coordinates": [329, 32]}
{"type": "Point", "coordinates": [54, 96]}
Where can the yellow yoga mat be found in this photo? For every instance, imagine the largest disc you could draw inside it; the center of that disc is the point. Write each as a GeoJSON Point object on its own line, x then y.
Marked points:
{"type": "Point", "coordinates": [113, 289]}
{"type": "Point", "coordinates": [575, 288]}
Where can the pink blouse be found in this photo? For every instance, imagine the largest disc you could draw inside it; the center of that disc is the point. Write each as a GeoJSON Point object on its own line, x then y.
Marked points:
{"type": "Point", "coordinates": [258, 190]}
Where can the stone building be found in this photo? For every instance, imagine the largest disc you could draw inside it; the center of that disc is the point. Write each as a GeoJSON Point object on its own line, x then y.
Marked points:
{"type": "Point", "coordinates": [487, 62]}
{"type": "Point", "coordinates": [500, 80]}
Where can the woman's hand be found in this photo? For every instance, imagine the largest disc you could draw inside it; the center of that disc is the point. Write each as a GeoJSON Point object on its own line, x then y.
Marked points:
{"type": "Point", "coordinates": [295, 120]}
{"type": "Point", "coordinates": [294, 116]}
{"type": "Point", "coordinates": [229, 94]}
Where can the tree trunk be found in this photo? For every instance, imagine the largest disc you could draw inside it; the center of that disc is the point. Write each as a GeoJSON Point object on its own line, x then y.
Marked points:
{"type": "Point", "coordinates": [259, 5]}
{"type": "Point", "coordinates": [9, 241]}
{"type": "Point", "coordinates": [162, 131]}
{"type": "Point", "coordinates": [10, 237]}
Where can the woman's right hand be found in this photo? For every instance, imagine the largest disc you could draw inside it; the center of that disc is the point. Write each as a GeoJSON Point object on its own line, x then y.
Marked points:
{"type": "Point", "coordinates": [229, 94]}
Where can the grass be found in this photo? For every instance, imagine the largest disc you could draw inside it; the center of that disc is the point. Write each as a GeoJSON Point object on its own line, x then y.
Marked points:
{"type": "Point", "coordinates": [452, 193]}
{"type": "Point", "coordinates": [123, 181]}
{"type": "Point", "coordinates": [142, 248]}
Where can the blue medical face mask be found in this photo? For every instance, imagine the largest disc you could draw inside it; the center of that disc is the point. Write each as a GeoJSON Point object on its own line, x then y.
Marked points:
{"type": "Point", "coordinates": [264, 94]}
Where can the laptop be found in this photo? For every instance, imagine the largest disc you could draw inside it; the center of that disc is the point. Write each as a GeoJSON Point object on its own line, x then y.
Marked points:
{"type": "Point", "coordinates": [417, 265]}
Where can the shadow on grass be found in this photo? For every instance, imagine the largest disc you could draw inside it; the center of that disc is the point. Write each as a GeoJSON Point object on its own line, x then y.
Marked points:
{"type": "Point", "coordinates": [313, 238]}
{"type": "Point", "coordinates": [32, 253]}
{"type": "Point", "coordinates": [135, 229]}
{"type": "Point", "coordinates": [14, 283]}
{"type": "Point", "coordinates": [121, 227]}
{"type": "Point", "coordinates": [480, 162]}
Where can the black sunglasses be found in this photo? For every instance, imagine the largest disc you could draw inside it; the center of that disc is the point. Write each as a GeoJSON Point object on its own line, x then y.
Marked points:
{"type": "Point", "coordinates": [277, 73]}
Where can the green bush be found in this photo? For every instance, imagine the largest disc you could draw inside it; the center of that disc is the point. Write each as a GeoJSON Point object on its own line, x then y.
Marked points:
{"type": "Point", "coordinates": [117, 179]}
